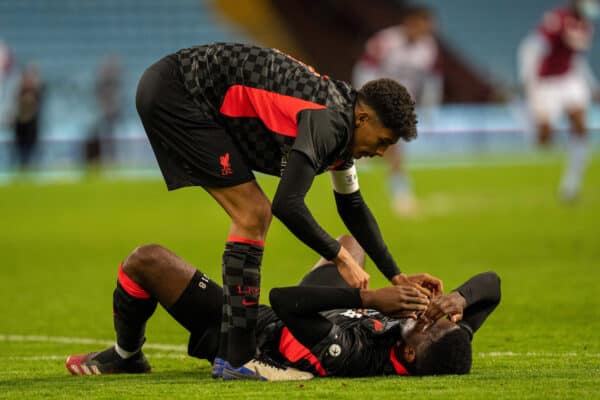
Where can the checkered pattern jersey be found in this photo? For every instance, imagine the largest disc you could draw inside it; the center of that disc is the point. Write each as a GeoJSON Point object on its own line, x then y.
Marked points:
{"type": "Point", "coordinates": [210, 72]}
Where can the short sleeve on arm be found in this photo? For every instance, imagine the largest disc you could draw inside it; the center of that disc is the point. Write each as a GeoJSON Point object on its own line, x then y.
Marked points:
{"type": "Point", "coordinates": [320, 136]}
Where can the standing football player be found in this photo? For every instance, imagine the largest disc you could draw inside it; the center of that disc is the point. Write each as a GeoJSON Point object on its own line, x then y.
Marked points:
{"type": "Point", "coordinates": [407, 53]}
{"type": "Point", "coordinates": [558, 80]}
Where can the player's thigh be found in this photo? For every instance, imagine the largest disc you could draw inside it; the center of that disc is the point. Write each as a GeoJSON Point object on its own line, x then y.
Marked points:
{"type": "Point", "coordinates": [577, 102]}
{"type": "Point", "coordinates": [545, 101]}
{"type": "Point", "coordinates": [199, 310]}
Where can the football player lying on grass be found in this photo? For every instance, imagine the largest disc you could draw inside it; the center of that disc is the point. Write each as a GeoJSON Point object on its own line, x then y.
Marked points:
{"type": "Point", "coordinates": [321, 327]}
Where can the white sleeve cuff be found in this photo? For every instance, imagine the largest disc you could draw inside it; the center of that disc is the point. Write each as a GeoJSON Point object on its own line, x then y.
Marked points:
{"type": "Point", "coordinates": [345, 181]}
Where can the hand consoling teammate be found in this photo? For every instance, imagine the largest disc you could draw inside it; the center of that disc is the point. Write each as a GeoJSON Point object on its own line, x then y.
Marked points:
{"type": "Point", "coordinates": [320, 327]}
{"type": "Point", "coordinates": [215, 113]}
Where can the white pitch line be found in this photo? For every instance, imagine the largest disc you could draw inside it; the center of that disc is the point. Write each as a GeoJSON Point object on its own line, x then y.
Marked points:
{"type": "Point", "coordinates": [71, 340]}
{"type": "Point", "coordinates": [63, 357]}
{"type": "Point", "coordinates": [182, 349]}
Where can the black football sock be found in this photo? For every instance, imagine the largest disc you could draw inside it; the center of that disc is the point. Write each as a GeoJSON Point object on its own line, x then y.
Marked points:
{"type": "Point", "coordinates": [241, 290]}
{"type": "Point", "coordinates": [132, 307]}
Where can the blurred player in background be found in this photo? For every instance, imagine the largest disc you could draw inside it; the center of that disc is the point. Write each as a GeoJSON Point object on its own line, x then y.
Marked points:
{"type": "Point", "coordinates": [408, 53]}
{"type": "Point", "coordinates": [215, 113]}
{"type": "Point", "coordinates": [6, 63]}
{"type": "Point", "coordinates": [320, 327]}
{"type": "Point", "coordinates": [28, 109]}
{"type": "Point", "coordinates": [558, 80]}
{"type": "Point", "coordinates": [100, 145]}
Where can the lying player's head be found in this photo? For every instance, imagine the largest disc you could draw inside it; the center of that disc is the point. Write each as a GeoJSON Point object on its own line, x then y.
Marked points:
{"type": "Point", "coordinates": [438, 348]}
{"type": "Point", "coordinates": [384, 113]}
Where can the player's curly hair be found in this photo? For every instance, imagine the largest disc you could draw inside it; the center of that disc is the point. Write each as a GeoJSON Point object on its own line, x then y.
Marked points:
{"type": "Point", "coordinates": [449, 355]}
{"type": "Point", "coordinates": [393, 105]}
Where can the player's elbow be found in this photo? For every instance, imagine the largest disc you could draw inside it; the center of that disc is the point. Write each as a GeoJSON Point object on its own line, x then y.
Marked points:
{"type": "Point", "coordinates": [285, 208]}
{"type": "Point", "coordinates": [278, 207]}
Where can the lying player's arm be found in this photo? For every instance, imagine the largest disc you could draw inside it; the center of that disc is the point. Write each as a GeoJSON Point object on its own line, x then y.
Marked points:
{"type": "Point", "coordinates": [299, 306]}
{"type": "Point", "coordinates": [471, 303]}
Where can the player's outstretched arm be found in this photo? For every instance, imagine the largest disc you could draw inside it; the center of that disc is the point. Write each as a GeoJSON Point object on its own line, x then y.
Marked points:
{"type": "Point", "coordinates": [361, 223]}
{"type": "Point", "coordinates": [290, 208]}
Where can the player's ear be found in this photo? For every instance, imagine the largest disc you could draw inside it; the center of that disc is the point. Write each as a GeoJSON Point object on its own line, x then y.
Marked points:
{"type": "Point", "coordinates": [361, 113]}
{"type": "Point", "coordinates": [408, 353]}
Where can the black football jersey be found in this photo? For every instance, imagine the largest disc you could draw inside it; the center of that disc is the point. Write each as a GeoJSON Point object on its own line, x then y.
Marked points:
{"type": "Point", "coordinates": [360, 343]}
{"type": "Point", "coordinates": [270, 103]}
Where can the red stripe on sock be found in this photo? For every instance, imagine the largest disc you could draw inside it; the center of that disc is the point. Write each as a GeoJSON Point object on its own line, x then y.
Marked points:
{"type": "Point", "coordinates": [130, 286]}
{"type": "Point", "coordinates": [237, 239]}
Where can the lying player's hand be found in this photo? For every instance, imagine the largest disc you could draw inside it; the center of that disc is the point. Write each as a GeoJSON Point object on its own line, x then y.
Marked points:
{"type": "Point", "coordinates": [451, 305]}
{"type": "Point", "coordinates": [352, 273]}
{"type": "Point", "coordinates": [395, 300]}
{"type": "Point", "coordinates": [425, 283]}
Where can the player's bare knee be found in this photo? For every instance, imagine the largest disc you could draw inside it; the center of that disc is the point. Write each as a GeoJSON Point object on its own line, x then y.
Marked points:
{"type": "Point", "coordinates": [143, 259]}
{"type": "Point", "coordinates": [348, 241]}
{"type": "Point", "coordinates": [257, 219]}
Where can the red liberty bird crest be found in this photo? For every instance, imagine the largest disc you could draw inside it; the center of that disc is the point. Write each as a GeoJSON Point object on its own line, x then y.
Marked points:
{"type": "Point", "coordinates": [225, 165]}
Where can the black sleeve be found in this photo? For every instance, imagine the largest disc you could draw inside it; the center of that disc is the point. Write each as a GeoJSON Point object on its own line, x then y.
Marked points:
{"type": "Point", "coordinates": [482, 294]}
{"type": "Point", "coordinates": [320, 134]}
{"type": "Point", "coordinates": [290, 208]}
{"type": "Point", "coordinates": [299, 307]}
{"type": "Point", "coordinates": [361, 223]}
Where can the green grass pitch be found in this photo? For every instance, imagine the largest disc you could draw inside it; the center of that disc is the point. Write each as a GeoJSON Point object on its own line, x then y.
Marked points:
{"type": "Point", "coordinates": [60, 245]}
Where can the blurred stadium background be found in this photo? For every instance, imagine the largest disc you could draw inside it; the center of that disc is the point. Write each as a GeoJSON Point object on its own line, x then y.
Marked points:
{"type": "Point", "coordinates": [69, 41]}
{"type": "Point", "coordinates": [61, 242]}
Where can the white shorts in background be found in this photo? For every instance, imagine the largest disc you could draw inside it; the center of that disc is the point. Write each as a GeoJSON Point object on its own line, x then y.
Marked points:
{"type": "Point", "coordinates": [551, 97]}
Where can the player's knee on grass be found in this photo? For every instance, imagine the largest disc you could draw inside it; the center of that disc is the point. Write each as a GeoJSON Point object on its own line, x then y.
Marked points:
{"type": "Point", "coordinates": [354, 248]}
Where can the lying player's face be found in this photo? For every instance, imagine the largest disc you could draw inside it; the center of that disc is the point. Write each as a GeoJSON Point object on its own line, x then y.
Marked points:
{"type": "Point", "coordinates": [371, 138]}
{"type": "Point", "coordinates": [423, 331]}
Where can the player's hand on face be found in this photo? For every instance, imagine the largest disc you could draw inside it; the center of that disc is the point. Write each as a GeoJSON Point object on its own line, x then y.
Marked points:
{"type": "Point", "coordinates": [397, 300]}
{"type": "Point", "coordinates": [451, 305]}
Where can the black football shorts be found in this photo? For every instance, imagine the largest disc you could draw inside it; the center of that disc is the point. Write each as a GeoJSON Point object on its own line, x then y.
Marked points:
{"type": "Point", "coordinates": [191, 149]}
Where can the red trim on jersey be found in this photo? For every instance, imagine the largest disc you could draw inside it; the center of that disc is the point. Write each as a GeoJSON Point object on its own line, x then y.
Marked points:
{"type": "Point", "coordinates": [295, 351]}
{"type": "Point", "coordinates": [238, 239]}
{"type": "Point", "coordinates": [400, 369]}
{"type": "Point", "coordinates": [130, 286]}
{"type": "Point", "coordinates": [377, 325]}
{"type": "Point", "coordinates": [277, 111]}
